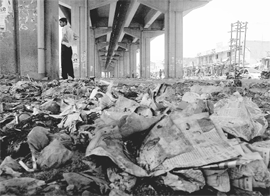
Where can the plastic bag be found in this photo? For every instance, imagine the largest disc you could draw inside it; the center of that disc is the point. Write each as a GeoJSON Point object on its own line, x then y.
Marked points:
{"type": "Point", "coordinates": [54, 155]}
{"type": "Point", "coordinates": [38, 139]}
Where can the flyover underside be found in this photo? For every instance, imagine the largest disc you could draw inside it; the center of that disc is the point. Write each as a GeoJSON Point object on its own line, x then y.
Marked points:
{"type": "Point", "coordinates": [112, 31]}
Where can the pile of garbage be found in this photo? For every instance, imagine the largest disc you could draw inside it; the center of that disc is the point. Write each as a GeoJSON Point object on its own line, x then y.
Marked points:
{"type": "Point", "coordinates": [265, 75]}
{"type": "Point", "coordinates": [134, 137]}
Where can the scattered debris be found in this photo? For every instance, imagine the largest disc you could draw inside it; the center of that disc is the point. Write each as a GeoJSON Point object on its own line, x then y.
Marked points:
{"type": "Point", "coordinates": [134, 137]}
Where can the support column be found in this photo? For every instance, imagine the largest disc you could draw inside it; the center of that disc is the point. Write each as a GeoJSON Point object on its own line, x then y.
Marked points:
{"type": "Point", "coordinates": [118, 68]}
{"type": "Point", "coordinates": [87, 39]}
{"type": "Point", "coordinates": [115, 70]}
{"type": "Point", "coordinates": [173, 44]}
{"type": "Point", "coordinates": [174, 11]}
{"type": "Point", "coordinates": [52, 38]}
{"type": "Point", "coordinates": [75, 16]}
{"type": "Point", "coordinates": [118, 71]}
{"type": "Point", "coordinates": [91, 53]}
{"type": "Point", "coordinates": [145, 55]}
{"type": "Point", "coordinates": [126, 64]}
{"type": "Point", "coordinates": [132, 59]}
{"type": "Point", "coordinates": [121, 66]}
{"type": "Point", "coordinates": [41, 38]}
{"type": "Point", "coordinates": [97, 63]}
{"type": "Point", "coordinates": [82, 43]}
{"type": "Point", "coordinates": [145, 63]}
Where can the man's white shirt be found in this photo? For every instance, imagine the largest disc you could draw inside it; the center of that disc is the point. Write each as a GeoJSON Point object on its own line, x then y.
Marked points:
{"type": "Point", "coordinates": [67, 33]}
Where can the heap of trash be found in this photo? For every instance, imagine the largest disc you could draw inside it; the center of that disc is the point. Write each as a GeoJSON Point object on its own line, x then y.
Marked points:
{"type": "Point", "coordinates": [134, 137]}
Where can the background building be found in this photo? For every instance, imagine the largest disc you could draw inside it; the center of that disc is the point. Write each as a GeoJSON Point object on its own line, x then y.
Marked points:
{"type": "Point", "coordinates": [255, 52]}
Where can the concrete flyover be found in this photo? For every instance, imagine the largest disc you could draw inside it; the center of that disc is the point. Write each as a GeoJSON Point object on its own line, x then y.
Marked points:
{"type": "Point", "coordinates": [117, 28]}
{"type": "Point", "coordinates": [110, 31]}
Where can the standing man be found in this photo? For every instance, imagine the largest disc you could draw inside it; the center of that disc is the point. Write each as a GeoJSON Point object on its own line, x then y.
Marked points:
{"type": "Point", "coordinates": [66, 49]}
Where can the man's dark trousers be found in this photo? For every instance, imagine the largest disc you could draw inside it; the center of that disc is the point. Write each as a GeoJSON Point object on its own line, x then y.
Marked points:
{"type": "Point", "coordinates": [66, 62]}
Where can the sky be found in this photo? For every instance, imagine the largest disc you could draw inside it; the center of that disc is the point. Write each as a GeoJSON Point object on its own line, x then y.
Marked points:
{"type": "Point", "coordinates": [204, 27]}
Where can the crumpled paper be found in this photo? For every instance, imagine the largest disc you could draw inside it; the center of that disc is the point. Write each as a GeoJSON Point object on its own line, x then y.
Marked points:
{"type": "Point", "coordinates": [218, 179]}
{"type": "Point", "coordinates": [185, 180]}
{"type": "Point", "coordinates": [184, 139]}
{"type": "Point", "coordinates": [240, 117]}
{"type": "Point", "coordinates": [108, 142]}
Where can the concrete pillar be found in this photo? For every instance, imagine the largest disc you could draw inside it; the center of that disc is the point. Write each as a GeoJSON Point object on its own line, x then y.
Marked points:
{"type": "Point", "coordinates": [132, 59]}
{"type": "Point", "coordinates": [82, 42]}
{"type": "Point", "coordinates": [41, 38]}
{"type": "Point", "coordinates": [75, 17]}
{"type": "Point", "coordinates": [145, 63]}
{"type": "Point", "coordinates": [145, 55]}
{"type": "Point", "coordinates": [121, 66]}
{"type": "Point", "coordinates": [173, 44]}
{"type": "Point", "coordinates": [174, 11]}
{"type": "Point", "coordinates": [89, 36]}
{"type": "Point", "coordinates": [97, 63]}
{"type": "Point", "coordinates": [126, 64]}
{"type": "Point", "coordinates": [52, 38]}
{"type": "Point", "coordinates": [116, 69]}
{"type": "Point", "coordinates": [116, 75]}
{"type": "Point", "coordinates": [91, 53]}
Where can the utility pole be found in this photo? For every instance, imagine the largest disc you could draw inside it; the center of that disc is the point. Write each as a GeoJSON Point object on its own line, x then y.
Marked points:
{"type": "Point", "coordinates": [236, 46]}
{"type": "Point", "coordinates": [236, 43]}
{"type": "Point", "coordinates": [231, 47]}
{"type": "Point", "coordinates": [244, 50]}
{"type": "Point", "coordinates": [239, 51]}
